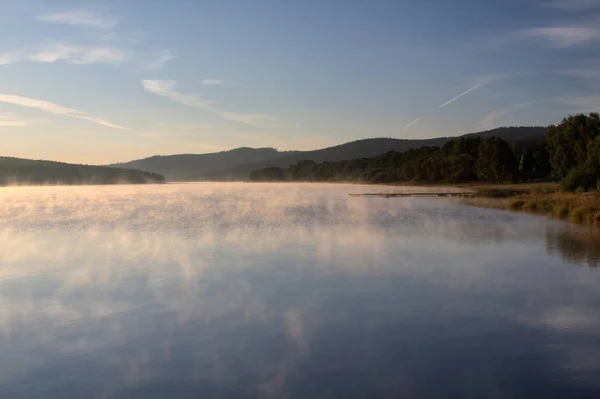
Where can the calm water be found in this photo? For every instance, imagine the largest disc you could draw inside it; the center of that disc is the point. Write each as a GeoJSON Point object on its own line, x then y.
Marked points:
{"type": "Point", "coordinates": [290, 291]}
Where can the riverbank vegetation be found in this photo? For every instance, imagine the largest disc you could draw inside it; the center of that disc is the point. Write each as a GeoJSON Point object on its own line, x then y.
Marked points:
{"type": "Point", "coordinates": [573, 207]}
{"type": "Point", "coordinates": [569, 155]}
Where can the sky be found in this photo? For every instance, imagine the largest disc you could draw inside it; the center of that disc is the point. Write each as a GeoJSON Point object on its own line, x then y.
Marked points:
{"type": "Point", "coordinates": [98, 82]}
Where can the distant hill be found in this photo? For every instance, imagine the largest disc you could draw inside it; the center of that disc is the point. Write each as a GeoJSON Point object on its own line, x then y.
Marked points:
{"type": "Point", "coordinates": [189, 166]}
{"type": "Point", "coordinates": [18, 171]}
{"type": "Point", "coordinates": [238, 163]}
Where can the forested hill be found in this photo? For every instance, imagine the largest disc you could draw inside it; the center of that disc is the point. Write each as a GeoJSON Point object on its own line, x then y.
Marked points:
{"type": "Point", "coordinates": [183, 167]}
{"type": "Point", "coordinates": [465, 159]}
{"type": "Point", "coordinates": [372, 147]}
{"type": "Point", "coordinates": [238, 163]}
{"type": "Point", "coordinates": [569, 153]}
{"type": "Point", "coordinates": [17, 171]}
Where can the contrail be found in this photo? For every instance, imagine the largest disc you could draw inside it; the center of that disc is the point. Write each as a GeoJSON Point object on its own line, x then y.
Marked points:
{"type": "Point", "coordinates": [459, 96]}
{"type": "Point", "coordinates": [412, 123]}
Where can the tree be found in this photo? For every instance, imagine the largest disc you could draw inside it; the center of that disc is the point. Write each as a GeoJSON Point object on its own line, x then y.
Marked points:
{"type": "Point", "coordinates": [496, 163]}
{"type": "Point", "coordinates": [567, 142]}
{"type": "Point", "coordinates": [268, 174]}
{"type": "Point", "coordinates": [528, 165]}
{"type": "Point", "coordinates": [302, 170]}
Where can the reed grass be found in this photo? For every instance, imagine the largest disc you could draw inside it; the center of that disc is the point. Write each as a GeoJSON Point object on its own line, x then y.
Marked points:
{"type": "Point", "coordinates": [577, 208]}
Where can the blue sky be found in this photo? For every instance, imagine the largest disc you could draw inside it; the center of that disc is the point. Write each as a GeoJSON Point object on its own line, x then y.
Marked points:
{"type": "Point", "coordinates": [104, 81]}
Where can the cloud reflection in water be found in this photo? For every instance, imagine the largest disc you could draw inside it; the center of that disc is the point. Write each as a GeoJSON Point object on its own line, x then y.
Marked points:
{"type": "Point", "coordinates": [281, 291]}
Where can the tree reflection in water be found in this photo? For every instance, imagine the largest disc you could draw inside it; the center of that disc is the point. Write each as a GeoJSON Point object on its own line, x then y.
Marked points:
{"type": "Point", "coordinates": [576, 245]}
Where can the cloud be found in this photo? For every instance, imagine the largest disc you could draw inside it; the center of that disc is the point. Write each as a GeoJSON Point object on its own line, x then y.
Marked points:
{"type": "Point", "coordinates": [166, 88]}
{"type": "Point", "coordinates": [217, 82]}
{"type": "Point", "coordinates": [459, 96]}
{"type": "Point", "coordinates": [14, 123]}
{"type": "Point", "coordinates": [81, 18]}
{"type": "Point", "coordinates": [563, 36]}
{"type": "Point", "coordinates": [492, 119]}
{"type": "Point", "coordinates": [64, 52]}
{"type": "Point", "coordinates": [102, 55]}
{"type": "Point", "coordinates": [412, 123]}
{"type": "Point", "coordinates": [11, 57]}
{"type": "Point", "coordinates": [78, 54]}
{"type": "Point", "coordinates": [53, 108]}
{"type": "Point", "coordinates": [12, 120]}
{"type": "Point", "coordinates": [162, 58]}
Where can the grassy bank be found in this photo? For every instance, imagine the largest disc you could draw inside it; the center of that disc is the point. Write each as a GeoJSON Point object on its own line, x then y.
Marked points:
{"type": "Point", "coordinates": [540, 198]}
{"type": "Point", "coordinates": [515, 190]}
{"type": "Point", "coordinates": [577, 208]}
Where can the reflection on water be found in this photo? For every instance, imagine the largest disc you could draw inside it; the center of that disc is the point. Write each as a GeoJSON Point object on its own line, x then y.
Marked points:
{"type": "Point", "coordinates": [288, 291]}
{"type": "Point", "coordinates": [579, 246]}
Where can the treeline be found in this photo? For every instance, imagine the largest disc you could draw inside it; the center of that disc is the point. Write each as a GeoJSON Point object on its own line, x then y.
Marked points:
{"type": "Point", "coordinates": [16, 171]}
{"type": "Point", "coordinates": [571, 153]}
{"type": "Point", "coordinates": [574, 147]}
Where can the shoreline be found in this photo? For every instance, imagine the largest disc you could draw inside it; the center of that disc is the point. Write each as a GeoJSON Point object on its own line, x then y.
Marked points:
{"type": "Point", "coordinates": [543, 199]}
{"type": "Point", "coordinates": [540, 199]}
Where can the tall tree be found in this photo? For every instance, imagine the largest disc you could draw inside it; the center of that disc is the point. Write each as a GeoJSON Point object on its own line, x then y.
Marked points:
{"type": "Point", "coordinates": [568, 142]}
{"type": "Point", "coordinates": [497, 163]}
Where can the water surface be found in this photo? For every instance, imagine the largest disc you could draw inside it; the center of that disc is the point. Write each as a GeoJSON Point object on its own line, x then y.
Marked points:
{"type": "Point", "coordinates": [290, 291]}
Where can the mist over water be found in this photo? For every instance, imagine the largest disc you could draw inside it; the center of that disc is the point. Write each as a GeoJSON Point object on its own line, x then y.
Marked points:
{"type": "Point", "coordinates": [290, 291]}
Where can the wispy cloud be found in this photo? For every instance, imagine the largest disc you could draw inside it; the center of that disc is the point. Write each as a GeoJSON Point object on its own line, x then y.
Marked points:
{"type": "Point", "coordinates": [13, 123]}
{"type": "Point", "coordinates": [78, 54]}
{"type": "Point", "coordinates": [53, 108]}
{"type": "Point", "coordinates": [161, 59]}
{"type": "Point", "coordinates": [564, 36]}
{"type": "Point", "coordinates": [412, 123]}
{"type": "Point", "coordinates": [64, 52]}
{"type": "Point", "coordinates": [81, 18]}
{"type": "Point", "coordinates": [217, 82]}
{"type": "Point", "coordinates": [166, 88]}
{"type": "Point", "coordinates": [11, 57]}
{"type": "Point", "coordinates": [459, 96]}
{"type": "Point", "coordinates": [13, 120]}
{"type": "Point", "coordinates": [493, 119]}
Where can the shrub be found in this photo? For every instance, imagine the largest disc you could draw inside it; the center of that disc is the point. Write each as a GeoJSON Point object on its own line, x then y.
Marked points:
{"type": "Point", "coordinates": [561, 211]}
{"type": "Point", "coordinates": [531, 206]}
{"type": "Point", "coordinates": [584, 214]}
{"type": "Point", "coordinates": [578, 179]}
{"type": "Point", "coordinates": [516, 205]}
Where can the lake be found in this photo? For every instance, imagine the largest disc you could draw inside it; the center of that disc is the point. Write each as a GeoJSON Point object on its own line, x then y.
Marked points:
{"type": "Point", "coordinates": [290, 291]}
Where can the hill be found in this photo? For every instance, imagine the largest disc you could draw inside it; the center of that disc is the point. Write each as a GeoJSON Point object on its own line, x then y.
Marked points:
{"type": "Point", "coordinates": [238, 163]}
{"type": "Point", "coordinates": [189, 166]}
{"type": "Point", "coordinates": [464, 159]}
{"type": "Point", "coordinates": [18, 171]}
